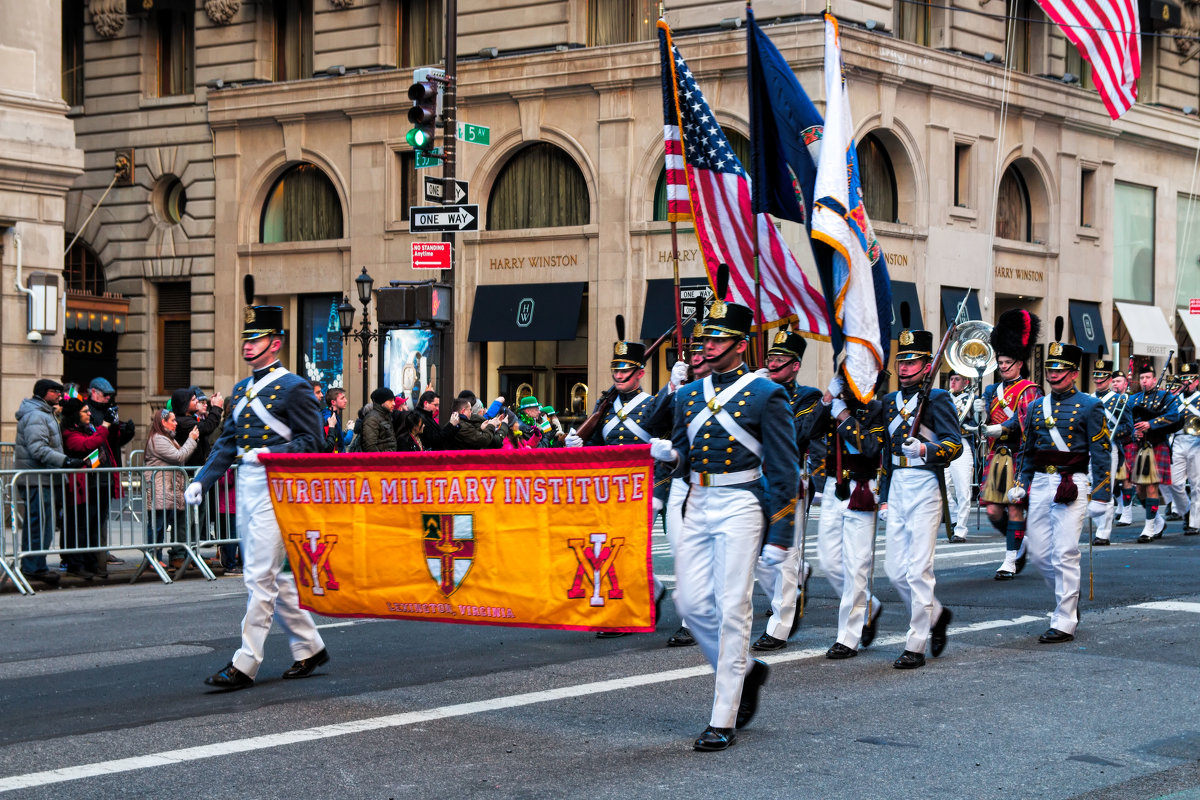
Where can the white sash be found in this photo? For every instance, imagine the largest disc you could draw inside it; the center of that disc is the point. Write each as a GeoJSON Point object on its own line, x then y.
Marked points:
{"type": "Point", "coordinates": [1055, 433]}
{"type": "Point", "coordinates": [906, 410]}
{"type": "Point", "coordinates": [622, 415]}
{"type": "Point", "coordinates": [715, 407]}
{"type": "Point", "coordinates": [251, 398]}
{"type": "Point", "coordinates": [1187, 406]}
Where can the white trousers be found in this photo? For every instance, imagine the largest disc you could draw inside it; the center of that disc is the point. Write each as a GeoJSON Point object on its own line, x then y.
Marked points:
{"type": "Point", "coordinates": [845, 545]}
{"type": "Point", "coordinates": [673, 513]}
{"type": "Point", "coordinates": [271, 595]}
{"type": "Point", "coordinates": [1104, 528]}
{"type": "Point", "coordinates": [961, 475]}
{"type": "Point", "coordinates": [1052, 535]}
{"type": "Point", "coordinates": [914, 513]}
{"type": "Point", "coordinates": [781, 582]}
{"type": "Point", "coordinates": [1185, 466]}
{"type": "Point", "coordinates": [714, 566]}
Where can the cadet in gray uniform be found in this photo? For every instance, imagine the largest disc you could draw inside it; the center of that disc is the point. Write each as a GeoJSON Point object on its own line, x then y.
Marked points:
{"type": "Point", "coordinates": [1066, 429]}
{"type": "Point", "coordinates": [734, 438]}
{"type": "Point", "coordinates": [272, 411]}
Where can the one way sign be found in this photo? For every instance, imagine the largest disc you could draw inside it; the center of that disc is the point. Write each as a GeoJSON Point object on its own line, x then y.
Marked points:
{"type": "Point", "coordinates": [443, 219]}
{"type": "Point", "coordinates": [435, 191]}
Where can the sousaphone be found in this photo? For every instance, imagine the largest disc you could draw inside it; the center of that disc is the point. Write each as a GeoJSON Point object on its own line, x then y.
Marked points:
{"type": "Point", "coordinates": [970, 352]}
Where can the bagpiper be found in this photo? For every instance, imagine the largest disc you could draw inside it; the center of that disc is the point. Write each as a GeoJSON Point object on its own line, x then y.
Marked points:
{"type": "Point", "coordinates": [783, 582]}
{"type": "Point", "coordinates": [1006, 406]}
{"type": "Point", "coordinates": [1185, 451]}
{"type": "Point", "coordinates": [912, 494]}
{"type": "Point", "coordinates": [962, 469]}
{"type": "Point", "coordinates": [1122, 480]}
{"type": "Point", "coordinates": [1155, 417]}
{"type": "Point", "coordinates": [1120, 429]}
{"type": "Point", "coordinates": [1066, 430]}
{"type": "Point", "coordinates": [735, 440]}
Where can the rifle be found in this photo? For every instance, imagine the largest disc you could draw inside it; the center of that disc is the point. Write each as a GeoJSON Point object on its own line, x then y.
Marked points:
{"type": "Point", "coordinates": [927, 382]}
{"type": "Point", "coordinates": [606, 400]}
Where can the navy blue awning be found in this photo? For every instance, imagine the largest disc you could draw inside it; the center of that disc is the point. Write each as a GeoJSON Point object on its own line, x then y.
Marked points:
{"type": "Point", "coordinates": [952, 298]}
{"type": "Point", "coordinates": [905, 292]}
{"type": "Point", "coordinates": [1087, 327]}
{"type": "Point", "coordinates": [526, 312]}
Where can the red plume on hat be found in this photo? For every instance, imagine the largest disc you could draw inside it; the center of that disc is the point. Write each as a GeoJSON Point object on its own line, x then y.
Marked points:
{"type": "Point", "coordinates": [1015, 333]}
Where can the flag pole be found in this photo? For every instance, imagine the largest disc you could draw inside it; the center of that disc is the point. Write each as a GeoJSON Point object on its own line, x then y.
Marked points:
{"type": "Point", "coordinates": [679, 355]}
{"type": "Point", "coordinates": [760, 340]}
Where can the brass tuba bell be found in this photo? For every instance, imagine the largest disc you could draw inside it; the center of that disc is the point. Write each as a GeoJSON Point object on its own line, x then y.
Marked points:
{"type": "Point", "coordinates": [970, 352]}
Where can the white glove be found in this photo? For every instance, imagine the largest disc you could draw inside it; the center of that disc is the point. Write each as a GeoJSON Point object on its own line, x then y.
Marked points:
{"type": "Point", "coordinates": [835, 386]}
{"type": "Point", "coordinates": [992, 431]}
{"type": "Point", "coordinates": [773, 555]}
{"type": "Point", "coordinates": [838, 406]}
{"type": "Point", "coordinates": [979, 406]}
{"type": "Point", "coordinates": [763, 372]}
{"type": "Point", "coordinates": [251, 456]}
{"type": "Point", "coordinates": [1016, 494]}
{"type": "Point", "coordinates": [572, 439]}
{"type": "Point", "coordinates": [882, 513]}
{"type": "Point", "coordinates": [912, 448]}
{"type": "Point", "coordinates": [193, 493]}
{"type": "Point", "coordinates": [1096, 509]}
{"type": "Point", "coordinates": [679, 374]}
{"type": "Point", "coordinates": [663, 450]}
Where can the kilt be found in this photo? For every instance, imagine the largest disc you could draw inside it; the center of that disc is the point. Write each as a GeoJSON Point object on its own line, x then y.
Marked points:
{"type": "Point", "coordinates": [1162, 461]}
{"type": "Point", "coordinates": [994, 487]}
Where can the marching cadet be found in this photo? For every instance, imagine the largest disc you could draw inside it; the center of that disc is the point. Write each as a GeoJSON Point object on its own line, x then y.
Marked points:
{"type": "Point", "coordinates": [912, 495]}
{"type": "Point", "coordinates": [1066, 429]}
{"type": "Point", "coordinates": [633, 418]}
{"type": "Point", "coordinates": [273, 411]}
{"type": "Point", "coordinates": [962, 469]}
{"type": "Point", "coordinates": [1155, 416]}
{"type": "Point", "coordinates": [854, 440]}
{"type": "Point", "coordinates": [783, 582]}
{"type": "Point", "coordinates": [735, 439]}
{"type": "Point", "coordinates": [1185, 452]}
{"type": "Point", "coordinates": [1123, 502]}
{"type": "Point", "coordinates": [1120, 429]}
{"type": "Point", "coordinates": [1006, 406]}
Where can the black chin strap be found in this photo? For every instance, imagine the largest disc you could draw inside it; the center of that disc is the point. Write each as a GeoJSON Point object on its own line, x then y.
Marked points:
{"type": "Point", "coordinates": [713, 359]}
{"type": "Point", "coordinates": [259, 354]}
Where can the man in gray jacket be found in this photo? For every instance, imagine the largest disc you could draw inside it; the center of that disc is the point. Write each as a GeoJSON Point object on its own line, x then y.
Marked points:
{"type": "Point", "coordinates": [39, 446]}
{"type": "Point", "coordinates": [467, 430]}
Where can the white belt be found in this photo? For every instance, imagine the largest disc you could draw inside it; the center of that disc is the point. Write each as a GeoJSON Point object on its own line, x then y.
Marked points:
{"type": "Point", "coordinates": [727, 478]}
{"type": "Point", "coordinates": [903, 461]}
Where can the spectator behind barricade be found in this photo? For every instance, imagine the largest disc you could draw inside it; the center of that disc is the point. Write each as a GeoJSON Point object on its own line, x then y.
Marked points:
{"type": "Point", "coordinates": [231, 553]}
{"type": "Point", "coordinates": [39, 446]}
{"type": "Point", "coordinates": [528, 428]}
{"type": "Point", "coordinates": [467, 430]}
{"type": "Point", "coordinates": [166, 501]}
{"type": "Point", "coordinates": [185, 403]}
{"type": "Point", "coordinates": [409, 433]}
{"type": "Point", "coordinates": [428, 407]}
{"type": "Point", "coordinates": [102, 400]}
{"type": "Point", "coordinates": [319, 391]}
{"type": "Point", "coordinates": [556, 436]}
{"type": "Point", "coordinates": [336, 439]}
{"type": "Point", "coordinates": [85, 515]}
{"type": "Point", "coordinates": [378, 435]}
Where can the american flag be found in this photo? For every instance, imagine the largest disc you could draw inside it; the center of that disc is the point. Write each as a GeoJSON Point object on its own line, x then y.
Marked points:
{"type": "Point", "coordinates": [1109, 35]}
{"type": "Point", "coordinates": [707, 185]}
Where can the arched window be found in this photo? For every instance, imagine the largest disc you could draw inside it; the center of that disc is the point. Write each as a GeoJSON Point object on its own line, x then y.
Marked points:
{"type": "Point", "coordinates": [539, 187]}
{"type": "Point", "coordinates": [302, 206]}
{"type": "Point", "coordinates": [81, 269]}
{"type": "Point", "coordinates": [1013, 212]}
{"type": "Point", "coordinates": [741, 148]}
{"type": "Point", "coordinates": [878, 179]}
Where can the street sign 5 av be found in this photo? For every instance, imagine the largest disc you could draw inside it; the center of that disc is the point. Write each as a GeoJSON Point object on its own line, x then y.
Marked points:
{"type": "Point", "coordinates": [475, 134]}
{"type": "Point", "coordinates": [443, 219]}
{"type": "Point", "coordinates": [435, 191]}
{"type": "Point", "coordinates": [431, 255]}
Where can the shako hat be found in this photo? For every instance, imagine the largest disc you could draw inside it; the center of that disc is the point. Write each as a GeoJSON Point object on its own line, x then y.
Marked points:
{"type": "Point", "coordinates": [1060, 354]}
{"type": "Point", "coordinates": [787, 343]}
{"type": "Point", "coordinates": [259, 321]}
{"type": "Point", "coordinates": [1188, 370]}
{"type": "Point", "coordinates": [1015, 333]}
{"type": "Point", "coordinates": [627, 355]}
{"type": "Point", "coordinates": [1102, 368]}
{"type": "Point", "coordinates": [726, 320]}
{"type": "Point", "coordinates": [912, 342]}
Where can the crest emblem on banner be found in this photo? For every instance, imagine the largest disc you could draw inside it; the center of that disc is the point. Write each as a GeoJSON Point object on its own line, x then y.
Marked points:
{"type": "Point", "coordinates": [596, 556]}
{"type": "Point", "coordinates": [449, 543]}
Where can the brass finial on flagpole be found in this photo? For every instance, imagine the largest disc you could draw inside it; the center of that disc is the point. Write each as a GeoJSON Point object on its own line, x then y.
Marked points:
{"type": "Point", "coordinates": [828, 6]}
{"type": "Point", "coordinates": [662, 9]}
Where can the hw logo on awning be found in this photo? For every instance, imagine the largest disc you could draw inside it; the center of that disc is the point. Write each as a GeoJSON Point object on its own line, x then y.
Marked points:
{"type": "Point", "coordinates": [525, 312]}
{"type": "Point", "coordinates": [596, 567]}
{"type": "Point", "coordinates": [449, 548]}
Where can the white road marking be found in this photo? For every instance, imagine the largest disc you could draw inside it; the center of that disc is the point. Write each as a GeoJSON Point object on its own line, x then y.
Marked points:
{"type": "Point", "coordinates": [284, 738]}
{"type": "Point", "coordinates": [348, 623]}
{"type": "Point", "coordinates": [1170, 605]}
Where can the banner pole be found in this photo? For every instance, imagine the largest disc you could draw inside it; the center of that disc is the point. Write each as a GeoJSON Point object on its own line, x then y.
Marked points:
{"type": "Point", "coordinates": [678, 299]}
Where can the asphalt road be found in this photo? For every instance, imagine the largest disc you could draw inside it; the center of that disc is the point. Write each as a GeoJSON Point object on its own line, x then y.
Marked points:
{"type": "Point", "coordinates": [101, 695]}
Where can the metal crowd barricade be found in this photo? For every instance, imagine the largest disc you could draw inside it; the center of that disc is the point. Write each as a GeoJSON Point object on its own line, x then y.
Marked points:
{"type": "Point", "coordinates": [213, 521]}
{"type": "Point", "coordinates": [75, 505]}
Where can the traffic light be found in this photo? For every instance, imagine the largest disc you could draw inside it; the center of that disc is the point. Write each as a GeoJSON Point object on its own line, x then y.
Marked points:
{"type": "Point", "coordinates": [426, 94]}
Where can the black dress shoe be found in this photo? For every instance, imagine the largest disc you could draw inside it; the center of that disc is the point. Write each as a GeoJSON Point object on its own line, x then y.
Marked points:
{"type": "Point", "coordinates": [81, 573]}
{"type": "Point", "coordinates": [1145, 537]}
{"type": "Point", "coordinates": [715, 739]}
{"type": "Point", "coordinates": [1190, 531]}
{"type": "Point", "coordinates": [870, 626]}
{"type": "Point", "coordinates": [937, 634]}
{"type": "Point", "coordinates": [681, 638]}
{"type": "Point", "coordinates": [1173, 517]}
{"type": "Point", "coordinates": [305, 666]}
{"type": "Point", "coordinates": [1120, 524]}
{"type": "Point", "coordinates": [1098, 542]}
{"type": "Point", "coordinates": [1005, 575]}
{"type": "Point", "coordinates": [755, 678]}
{"type": "Point", "coordinates": [909, 660]}
{"type": "Point", "coordinates": [840, 651]}
{"type": "Point", "coordinates": [1021, 559]}
{"type": "Point", "coordinates": [958, 537]}
{"type": "Point", "coordinates": [230, 679]}
{"type": "Point", "coordinates": [611, 634]}
{"type": "Point", "coordinates": [45, 576]}
{"type": "Point", "coordinates": [768, 642]}
{"type": "Point", "coordinates": [1055, 636]}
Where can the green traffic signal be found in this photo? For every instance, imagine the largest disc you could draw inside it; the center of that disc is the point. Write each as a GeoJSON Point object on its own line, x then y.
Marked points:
{"type": "Point", "coordinates": [423, 114]}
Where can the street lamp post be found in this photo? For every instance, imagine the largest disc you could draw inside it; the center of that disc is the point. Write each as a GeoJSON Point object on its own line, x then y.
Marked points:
{"type": "Point", "coordinates": [365, 335]}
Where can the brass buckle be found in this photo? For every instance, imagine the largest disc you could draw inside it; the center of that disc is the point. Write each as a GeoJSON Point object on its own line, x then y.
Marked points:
{"type": "Point", "coordinates": [705, 479]}
{"type": "Point", "coordinates": [714, 406]}
{"type": "Point", "coordinates": [1051, 469]}
{"type": "Point", "coordinates": [845, 474]}
{"type": "Point", "coordinates": [621, 415]}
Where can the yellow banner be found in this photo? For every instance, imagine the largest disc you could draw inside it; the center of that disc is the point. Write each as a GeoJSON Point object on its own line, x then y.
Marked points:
{"type": "Point", "coordinates": [532, 538]}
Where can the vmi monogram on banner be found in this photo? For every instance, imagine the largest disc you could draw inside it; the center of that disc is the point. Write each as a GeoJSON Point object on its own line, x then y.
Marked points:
{"type": "Point", "coordinates": [539, 538]}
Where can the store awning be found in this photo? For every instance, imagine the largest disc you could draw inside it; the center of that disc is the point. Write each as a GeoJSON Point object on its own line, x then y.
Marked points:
{"type": "Point", "coordinates": [905, 292]}
{"type": "Point", "coordinates": [1191, 322]}
{"type": "Point", "coordinates": [659, 313]}
{"type": "Point", "coordinates": [526, 312]}
{"type": "Point", "coordinates": [952, 298]}
{"type": "Point", "coordinates": [1088, 327]}
{"type": "Point", "coordinates": [1148, 328]}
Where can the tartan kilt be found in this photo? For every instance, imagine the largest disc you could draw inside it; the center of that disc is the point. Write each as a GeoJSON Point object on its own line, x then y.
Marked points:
{"type": "Point", "coordinates": [1162, 461]}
